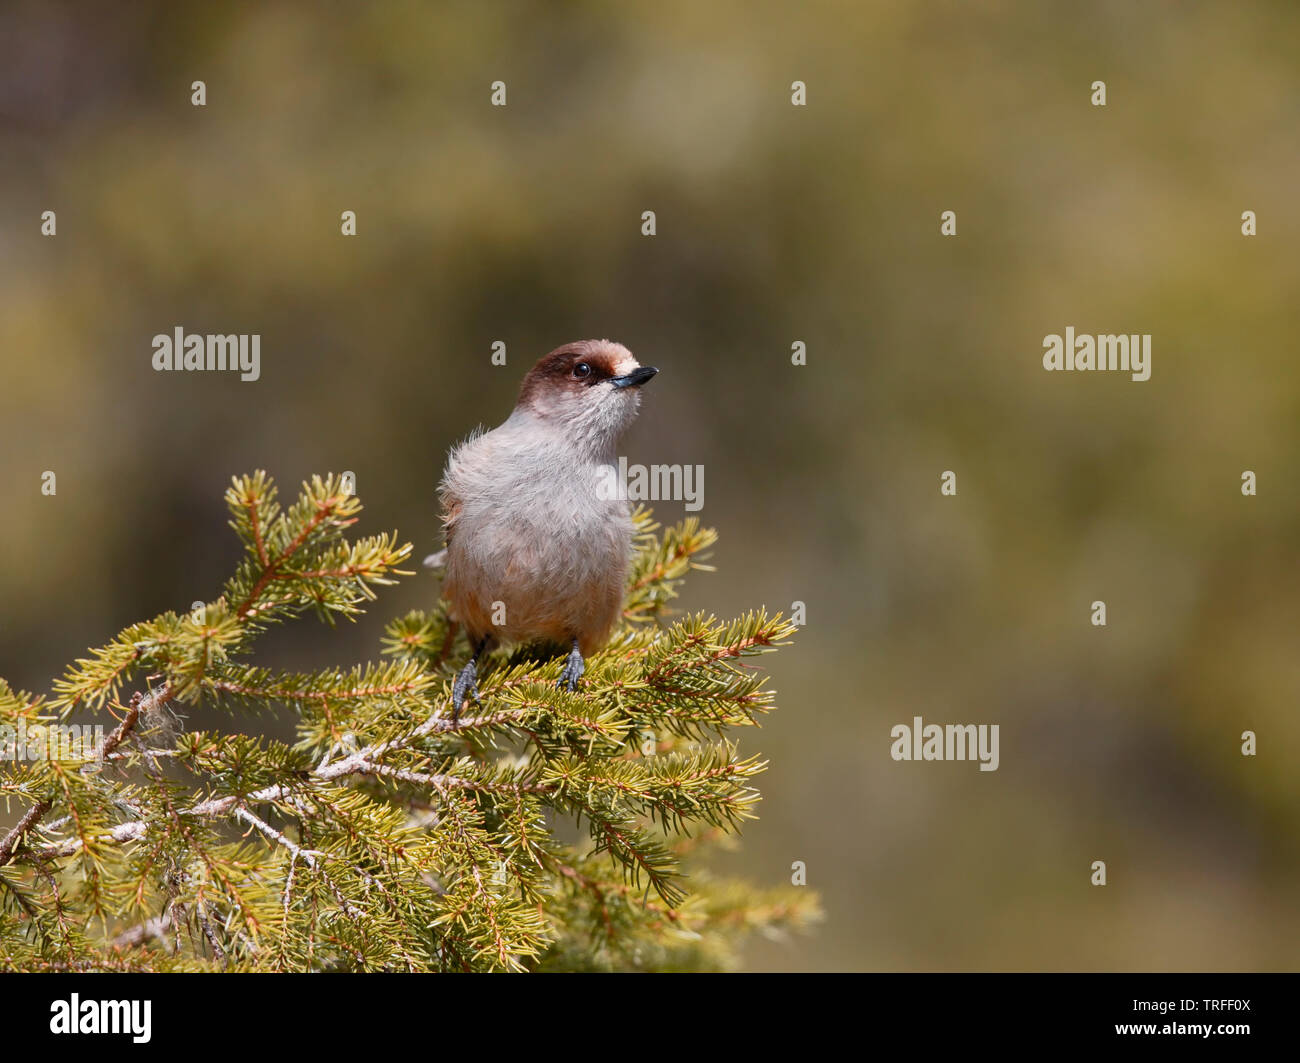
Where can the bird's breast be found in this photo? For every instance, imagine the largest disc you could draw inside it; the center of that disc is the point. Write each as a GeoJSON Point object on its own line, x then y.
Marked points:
{"type": "Point", "coordinates": [541, 552]}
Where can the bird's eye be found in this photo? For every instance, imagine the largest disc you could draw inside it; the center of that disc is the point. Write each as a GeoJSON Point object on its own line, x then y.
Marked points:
{"type": "Point", "coordinates": [581, 370]}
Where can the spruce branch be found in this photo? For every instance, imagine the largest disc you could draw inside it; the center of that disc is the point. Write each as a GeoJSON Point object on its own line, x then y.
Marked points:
{"type": "Point", "coordinates": [386, 834]}
{"type": "Point", "coordinates": [33, 815]}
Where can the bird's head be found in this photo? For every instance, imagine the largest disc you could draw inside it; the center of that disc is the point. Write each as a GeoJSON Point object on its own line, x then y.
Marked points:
{"type": "Point", "coordinates": [589, 390]}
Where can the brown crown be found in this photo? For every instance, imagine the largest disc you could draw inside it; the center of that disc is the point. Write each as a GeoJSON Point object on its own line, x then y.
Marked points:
{"type": "Point", "coordinates": [556, 369]}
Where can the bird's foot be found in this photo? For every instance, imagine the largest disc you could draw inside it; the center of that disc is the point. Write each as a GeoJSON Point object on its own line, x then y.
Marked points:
{"type": "Point", "coordinates": [573, 669]}
{"type": "Point", "coordinates": [466, 685]}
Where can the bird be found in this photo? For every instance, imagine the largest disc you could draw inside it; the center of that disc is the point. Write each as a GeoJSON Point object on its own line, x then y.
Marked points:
{"type": "Point", "coordinates": [537, 545]}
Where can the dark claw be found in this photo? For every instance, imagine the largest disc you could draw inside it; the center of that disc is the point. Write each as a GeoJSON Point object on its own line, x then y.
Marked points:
{"type": "Point", "coordinates": [573, 669]}
{"type": "Point", "coordinates": [466, 685]}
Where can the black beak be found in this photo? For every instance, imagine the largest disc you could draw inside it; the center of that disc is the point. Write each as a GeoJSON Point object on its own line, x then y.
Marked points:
{"type": "Point", "coordinates": [635, 378]}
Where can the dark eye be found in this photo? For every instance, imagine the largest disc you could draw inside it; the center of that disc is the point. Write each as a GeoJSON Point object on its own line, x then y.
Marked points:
{"type": "Point", "coordinates": [581, 370]}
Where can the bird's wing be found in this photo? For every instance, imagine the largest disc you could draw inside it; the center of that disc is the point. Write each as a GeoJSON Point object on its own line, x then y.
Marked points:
{"type": "Point", "coordinates": [449, 491]}
{"type": "Point", "coordinates": [450, 511]}
{"type": "Point", "coordinates": [451, 507]}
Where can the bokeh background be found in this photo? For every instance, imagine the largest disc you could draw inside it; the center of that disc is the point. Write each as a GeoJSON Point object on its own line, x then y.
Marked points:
{"type": "Point", "coordinates": [775, 224]}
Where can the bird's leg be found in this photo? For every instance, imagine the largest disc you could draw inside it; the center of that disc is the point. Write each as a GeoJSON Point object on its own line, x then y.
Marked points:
{"type": "Point", "coordinates": [466, 682]}
{"type": "Point", "coordinates": [573, 669]}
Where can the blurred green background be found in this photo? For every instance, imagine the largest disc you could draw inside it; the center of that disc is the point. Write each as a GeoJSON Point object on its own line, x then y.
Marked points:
{"type": "Point", "coordinates": [775, 224]}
